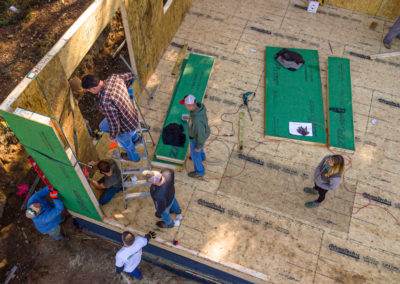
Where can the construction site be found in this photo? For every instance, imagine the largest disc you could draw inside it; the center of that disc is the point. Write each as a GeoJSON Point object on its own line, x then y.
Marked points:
{"type": "Point", "coordinates": [246, 220]}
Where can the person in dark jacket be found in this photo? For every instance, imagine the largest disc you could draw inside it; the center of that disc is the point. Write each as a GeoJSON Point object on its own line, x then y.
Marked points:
{"type": "Point", "coordinates": [162, 192]}
{"type": "Point", "coordinates": [46, 215]}
{"type": "Point", "coordinates": [327, 177]}
{"type": "Point", "coordinates": [198, 131]}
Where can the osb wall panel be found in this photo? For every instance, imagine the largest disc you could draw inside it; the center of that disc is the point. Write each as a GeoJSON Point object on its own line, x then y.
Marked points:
{"type": "Point", "coordinates": [383, 8]}
{"type": "Point", "coordinates": [48, 94]}
{"type": "Point", "coordinates": [152, 30]}
{"type": "Point", "coordinates": [84, 32]}
{"type": "Point", "coordinates": [389, 9]}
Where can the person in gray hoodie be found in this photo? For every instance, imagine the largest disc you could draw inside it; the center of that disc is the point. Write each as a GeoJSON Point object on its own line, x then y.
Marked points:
{"type": "Point", "coordinates": [327, 177]}
{"type": "Point", "coordinates": [198, 131]}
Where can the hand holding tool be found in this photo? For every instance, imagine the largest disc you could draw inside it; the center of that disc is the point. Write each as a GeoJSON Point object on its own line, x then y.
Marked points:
{"type": "Point", "coordinates": [246, 101]}
{"type": "Point", "coordinates": [54, 194]}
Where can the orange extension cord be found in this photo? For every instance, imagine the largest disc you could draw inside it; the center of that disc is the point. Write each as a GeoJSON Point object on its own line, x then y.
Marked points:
{"type": "Point", "coordinates": [347, 167]}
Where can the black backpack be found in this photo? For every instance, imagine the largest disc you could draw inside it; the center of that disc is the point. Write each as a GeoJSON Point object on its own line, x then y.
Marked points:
{"type": "Point", "coordinates": [289, 59]}
{"type": "Point", "coordinates": [173, 134]}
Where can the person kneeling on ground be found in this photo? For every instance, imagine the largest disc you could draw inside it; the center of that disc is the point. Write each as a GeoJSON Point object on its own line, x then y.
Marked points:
{"type": "Point", "coordinates": [327, 177]}
{"type": "Point", "coordinates": [111, 181]}
{"type": "Point", "coordinates": [129, 256]}
{"type": "Point", "coordinates": [162, 192]}
{"type": "Point", "coordinates": [46, 215]}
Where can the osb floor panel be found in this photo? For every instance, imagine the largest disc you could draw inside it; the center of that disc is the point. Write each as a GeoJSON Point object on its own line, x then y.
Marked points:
{"type": "Point", "coordinates": [259, 220]}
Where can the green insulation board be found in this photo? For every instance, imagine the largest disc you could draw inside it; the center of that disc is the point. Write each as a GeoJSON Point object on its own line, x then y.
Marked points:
{"type": "Point", "coordinates": [193, 80]}
{"type": "Point", "coordinates": [340, 115]}
{"type": "Point", "coordinates": [178, 80]}
{"type": "Point", "coordinates": [43, 144]}
{"type": "Point", "coordinates": [293, 96]}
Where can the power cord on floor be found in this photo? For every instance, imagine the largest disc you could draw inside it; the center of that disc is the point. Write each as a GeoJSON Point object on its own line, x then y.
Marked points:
{"type": "Point", "coordinates": [347, 167]}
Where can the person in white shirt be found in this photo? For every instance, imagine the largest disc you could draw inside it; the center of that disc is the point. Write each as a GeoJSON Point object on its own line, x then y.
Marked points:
{"type": "Point", "coordinates": [129, 256]}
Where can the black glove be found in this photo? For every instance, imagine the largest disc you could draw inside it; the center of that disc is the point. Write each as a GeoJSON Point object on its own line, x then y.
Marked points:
{"type": "Point", "coordinates": [158, 215]}
{"type": "Point", "coordinates": [150, 235]}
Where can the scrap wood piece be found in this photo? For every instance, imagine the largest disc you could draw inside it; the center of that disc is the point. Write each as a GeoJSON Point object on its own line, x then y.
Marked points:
{"type": "Point", "coordinates": [340, 107]}
{"type": "Point", "coordinates": [193, 80]}
{"type": "Point", "coordinates": [293, 96]}
{"type": "Point", "coordinates": [388, 54]}
{"type": "Point", "coordinates": [179, 59]}
{"type": "Point", "coordinates": [165, 164]}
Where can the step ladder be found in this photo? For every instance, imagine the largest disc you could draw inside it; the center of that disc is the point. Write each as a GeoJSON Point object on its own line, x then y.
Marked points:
{"type": "Point", "coordinates": [129, 175]}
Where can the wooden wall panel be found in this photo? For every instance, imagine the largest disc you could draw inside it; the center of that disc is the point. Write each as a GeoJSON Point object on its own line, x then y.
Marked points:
{"type": "Point", "coordinates": [77, 41]}
{"type": "Point", "coordinates": [389, 9]}
{"type": "Point", "coordinates": [152, 30]}
{"type": "Point", "coordinates": [383, 8]}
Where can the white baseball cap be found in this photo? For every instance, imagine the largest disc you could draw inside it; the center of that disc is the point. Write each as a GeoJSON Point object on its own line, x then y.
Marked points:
{"type": "Point", "coordinates": [188, 100]}
{"type": "Point", "coordinates": [155, 177]}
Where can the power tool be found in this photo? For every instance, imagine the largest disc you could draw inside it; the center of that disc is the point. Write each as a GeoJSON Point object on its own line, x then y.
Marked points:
{"type": "Point", "coordinates": [246, 101]}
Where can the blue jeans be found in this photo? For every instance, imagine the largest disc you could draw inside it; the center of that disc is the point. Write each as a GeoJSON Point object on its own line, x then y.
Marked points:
{"type": "Point", "coordinates": [136, 273]}
{"type": "Point", "coordinates": [197, 158]}
{"type": "Point", "coordinates": [125, 139]}
{"type": "Point", "coordinates": [393, 32]}
{"type": "Point", "coordinates": [166, 216]}
{"type": "Point", "coordinates": [108, 194]}
{"type": "Point", "coordinates": [55, 234]}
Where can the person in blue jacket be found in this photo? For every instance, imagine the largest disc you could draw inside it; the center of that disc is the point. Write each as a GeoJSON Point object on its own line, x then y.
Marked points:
{"type": "Point", "coordinates": [46, 215]}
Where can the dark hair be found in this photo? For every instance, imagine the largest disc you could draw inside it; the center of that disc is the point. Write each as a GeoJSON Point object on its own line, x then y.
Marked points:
{"type": "Point", "coordinates": [128, 238]}
{"type": "Point", "coordinates": [104, 166]}
{"type": "Point", "coordinates": [90, 81]}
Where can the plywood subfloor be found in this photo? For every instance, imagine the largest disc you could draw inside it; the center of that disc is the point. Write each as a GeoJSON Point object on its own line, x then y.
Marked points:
{"type": "Point", "coordinates": [257, 221]}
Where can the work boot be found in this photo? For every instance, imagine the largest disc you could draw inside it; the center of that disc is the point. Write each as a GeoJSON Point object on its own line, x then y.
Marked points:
{"type": "Point", "coordinates": [139, 140]}
{"type": "Point", "coordinates": [195, 175]}
{"type": "Point", "coordinates": [311, 204]}
{"type": "Point", "coordinates": [124, 156]}
{"type": "Point", "coordinates": [190, 158]}
{"type": "Point", "coordinates": [387, 45]}
{"type": "Point", "coordinates": [161, 224]}
{"type": "Point", "coordinates": [310, 190]}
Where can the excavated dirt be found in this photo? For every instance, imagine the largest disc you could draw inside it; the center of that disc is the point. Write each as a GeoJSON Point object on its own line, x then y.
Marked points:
{"type": "Point", "coordinates": [84, 258]}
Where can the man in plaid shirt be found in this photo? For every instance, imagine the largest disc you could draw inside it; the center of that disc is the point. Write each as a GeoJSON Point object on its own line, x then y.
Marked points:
{"type": "Point", "coordinates": [121, 118]}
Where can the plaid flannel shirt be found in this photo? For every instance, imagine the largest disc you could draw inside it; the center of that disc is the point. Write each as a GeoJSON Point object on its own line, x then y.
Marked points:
{"type": "Point", "coordinates": [116, 106]}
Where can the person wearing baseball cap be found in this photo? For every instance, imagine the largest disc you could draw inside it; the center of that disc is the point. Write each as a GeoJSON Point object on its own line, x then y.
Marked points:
{"type": "Point", "coordinates": [162, 191]}
{"type": "Point", "coordinates": [46, 215]}
{"type": "Point", "coordinates": [198, 131]}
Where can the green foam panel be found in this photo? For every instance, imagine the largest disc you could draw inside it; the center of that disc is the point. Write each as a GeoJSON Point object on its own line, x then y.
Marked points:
{"type": "Point", "coordinates": [42, 143]}
{"type": "Point", "coordinates": [293, 96]}
{"type": "Point", "coordinates": [193, 80]}
{"type": "Point", "coordinates": [340, 117]}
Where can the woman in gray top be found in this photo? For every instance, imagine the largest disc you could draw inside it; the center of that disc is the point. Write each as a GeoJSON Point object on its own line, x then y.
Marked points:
{"type": "Point", "coordinates": [327, 177]}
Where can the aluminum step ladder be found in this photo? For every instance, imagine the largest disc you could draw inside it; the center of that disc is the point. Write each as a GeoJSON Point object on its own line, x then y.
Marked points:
{"type": "Point", "coordinates": [129, 175]}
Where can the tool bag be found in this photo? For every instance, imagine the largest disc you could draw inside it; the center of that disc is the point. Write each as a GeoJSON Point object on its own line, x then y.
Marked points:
{"type": "Point", "coordinates": [174, 134]}
{"type": "Point", "coordinates": [289, 59]}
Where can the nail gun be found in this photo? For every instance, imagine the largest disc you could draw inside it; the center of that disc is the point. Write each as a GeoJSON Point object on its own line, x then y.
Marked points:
{"type": "Point", "coordinates": [245, 97]}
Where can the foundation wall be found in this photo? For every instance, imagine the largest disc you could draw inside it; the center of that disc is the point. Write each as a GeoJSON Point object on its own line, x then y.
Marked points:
{"type": "Point", "coordinates": [152, 30]}
{"type": "Point", "coordinates": [382, 8]}
{"type": "Point", "coordinates": [49, 93]}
